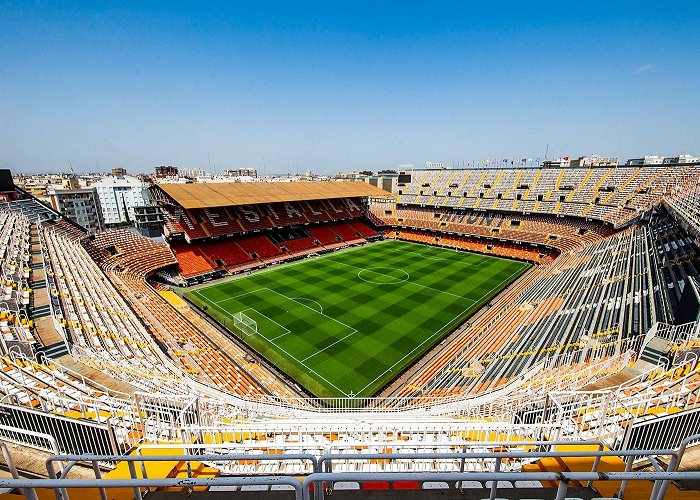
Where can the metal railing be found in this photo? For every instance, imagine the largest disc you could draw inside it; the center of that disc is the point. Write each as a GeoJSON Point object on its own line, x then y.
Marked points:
{"type": "Point", "coordinates": [323, 478]}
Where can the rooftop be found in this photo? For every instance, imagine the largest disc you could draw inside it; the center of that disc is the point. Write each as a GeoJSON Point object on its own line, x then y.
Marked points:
{"type": "Point", "coordinates": [250, 193]}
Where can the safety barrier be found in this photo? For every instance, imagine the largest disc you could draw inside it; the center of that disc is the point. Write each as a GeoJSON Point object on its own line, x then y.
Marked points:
{"type": "Point", "coordinates": [323, 478]}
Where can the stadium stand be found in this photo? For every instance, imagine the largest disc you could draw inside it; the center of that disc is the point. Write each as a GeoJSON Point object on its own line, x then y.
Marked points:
{"type": "Point", "coordinates": [207, 222]}
{"type": "Point", "coordinates": [192, 260]}
{"type": "Point", "coordinates": [616, 195]}
{"type": "Point", "coordinates": [573, 374]}
{"type": "Point", "coordinates": [208, 240]}
{"type": "Point", "coordinates": [129, 259]}
{"type": "Point", "coordinates": [228, 253]}
{"type": "Point", "coordinates": [487, 246]}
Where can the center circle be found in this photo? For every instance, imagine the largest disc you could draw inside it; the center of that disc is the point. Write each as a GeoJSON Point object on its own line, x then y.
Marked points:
{"type": "Point", "coordinates": [383, 275]}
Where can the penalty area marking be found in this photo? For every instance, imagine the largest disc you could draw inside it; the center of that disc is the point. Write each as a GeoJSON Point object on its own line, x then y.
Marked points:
{"type": "Point", "coordinates": [286, 330]}
{"type": "Point", "coordinates": [290, 355]}
{"type": "Point", "coordinates": [297, 299]}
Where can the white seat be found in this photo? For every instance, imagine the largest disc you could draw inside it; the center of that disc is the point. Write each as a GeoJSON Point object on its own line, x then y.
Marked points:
{"type": "Point", "coordinates": [281, 487]}
{"type": "Point", "coordinates": [255, 487]}
{"type": "Point", "coordinates": [469, 484]}
{"type": "Point", "coordinates": [223, 488]}
{"type": "Point", "coordinates": [436, 485]}
{"type": "Point", "coordinates": [346, 485]}
{"type": "Point", "coordinates": [500, 484]}
{"type": "Point", "coordinates": [528, 484]}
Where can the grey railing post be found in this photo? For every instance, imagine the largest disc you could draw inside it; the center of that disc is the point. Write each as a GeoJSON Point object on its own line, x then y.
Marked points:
{"type": "Point", "coordinates": [623, 484]}
{"type": "Point", "coordinates": [98, 475]}
{"type": "Point", "coordinates": [563, 488]}
{"type": "Point", "coordinates": [29, 493]}
{"type": "Point", "coordinates": [58, 492]}
{"type": "Point", "coordinates": [144, 473]}
{"type": "Point", "coordinates": [494, 483]}
{"type": "Point", "coordinates": [132, 473]}
{"type": "Point", "coordinates": [462, 465]}
{"type": "Point", "coordinates": [596, 463]}
{"type": "Point", "coordinates": [675, 463]}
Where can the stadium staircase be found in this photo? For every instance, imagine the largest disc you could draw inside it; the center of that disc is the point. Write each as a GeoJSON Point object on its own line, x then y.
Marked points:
{"type": "Point", "coordinates": [655, 353]}
{"type": "Point", "coordinates": [55, 350]}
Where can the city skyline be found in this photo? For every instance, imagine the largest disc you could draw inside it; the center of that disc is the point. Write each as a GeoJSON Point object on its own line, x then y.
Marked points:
{"type": "Point", "coordinates": [345, 87]}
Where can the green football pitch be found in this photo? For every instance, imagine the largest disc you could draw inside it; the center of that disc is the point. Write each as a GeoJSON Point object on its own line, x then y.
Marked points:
{"type": "Point", "coordinates": [345, 323]}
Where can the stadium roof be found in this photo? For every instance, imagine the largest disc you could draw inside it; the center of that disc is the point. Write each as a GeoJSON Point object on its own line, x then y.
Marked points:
{"type": "Point", "coordinates": [226, 194]}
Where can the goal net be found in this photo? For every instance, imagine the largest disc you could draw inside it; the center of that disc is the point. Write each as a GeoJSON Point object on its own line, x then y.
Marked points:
{"type": "Point", "coordinates": [245, 323]}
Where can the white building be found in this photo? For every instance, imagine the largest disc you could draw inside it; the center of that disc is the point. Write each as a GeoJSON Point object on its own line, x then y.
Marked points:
{"type": "Point", "coordinates": [192, 173]}
{"type": "Point", "coordinates": [240, 172]}
{"type": "Point", "coordinates": [563, 162]}
{"type": "Point", "coordinates": [436, 164]}
{"type": "Point", "coordinates": [79, 205]}
{"type": "Point", "coordinates": [595, 161]}
{"type": "Point", "coordinates": [646, 160]}
{"type": "Point", "coordinates": [673, 160]}
{"type": "Point", "coordinates": [118, 196]}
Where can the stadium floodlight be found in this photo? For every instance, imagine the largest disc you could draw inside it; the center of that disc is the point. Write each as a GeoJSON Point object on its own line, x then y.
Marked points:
{"type": "Point", "coordinates": [245, 323]}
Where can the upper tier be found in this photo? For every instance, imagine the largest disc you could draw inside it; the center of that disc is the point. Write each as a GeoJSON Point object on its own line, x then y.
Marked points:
{"type": "Point", "coordinates": [207, 222]}
{"type": "Point", "coordinates": [611, 194]}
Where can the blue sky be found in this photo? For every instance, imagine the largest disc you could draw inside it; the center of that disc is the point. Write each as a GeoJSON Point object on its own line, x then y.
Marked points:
{"type": "Point", "coordinates": [335, 86]}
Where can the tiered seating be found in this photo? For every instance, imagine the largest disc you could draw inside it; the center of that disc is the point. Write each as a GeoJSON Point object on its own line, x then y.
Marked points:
{"type": "Point", "coordinates": [193, 347]}
{"type": "Point", "coordinates": [261, 246]}
{"type": "Point", "coordinates": [491, 247]}
{"type": "Point", "coordinates": [363, 229]}
{"type": "Point", "coordinates": [346, 231]}
{"type": "Point", "coordinates": [298, 245]}
{"type": "Point", "coordinates": [563, 234]}
{"type": "Point", "coordinates": [342, 208]}
{"type": "Point", "coordinates": [252, 219]}
{"type": "Point", "coordinates": [49, 386]}
{"type": "Point", "coordinates": [15, 292]}
{"type": "Point", "coordinates": [684, 203]}
{"type": "Point", "coordinates": [247, 251]}
{"type": "Point", "coordinates": [31, 208]}
{"type": "Point", "coordinates": [142, 255]}
{"type": "Point", "coordinates": [221, 221]}
{"type": "Point", "coordinates": [613, 195]}
{"type": "Point", "coordinates": [227, 251]}
{"type": "Point", "coordinates": [284, 214]}
{"type": "Point", "coordinates": [603, 287]}
{"type": "Point", "coordinates": [192, 260]}
{"type": "Point", "coordinates": [324, 234]}
{"type": "Point", "coordinates": [94, 316]}
{"type": "Point", "coordinates": [314, 210]}
{"type": "Point", "coordinates": [675, 254]}
{"type": "Point", "coordinates": [177, 221]}
{"type": "Point", "coordinates": [217, 222]}
{"type": "Point", "coordinates": [606, 290]}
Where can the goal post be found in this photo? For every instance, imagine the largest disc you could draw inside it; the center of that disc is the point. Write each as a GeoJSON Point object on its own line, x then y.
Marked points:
{"type": "Point", "coordinates": [245, 323]}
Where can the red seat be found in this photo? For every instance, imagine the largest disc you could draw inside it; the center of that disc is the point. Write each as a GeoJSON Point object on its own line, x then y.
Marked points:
{"type": "Point", "coordinates": [191, 259]}
{"type": "Point", "coordinates": [262, 246]}
{"type": "Point", "coordinates": [375, 485]}
{"type": "Point", "coordinates": [227, 251]}
{"type": "Point", "coordinates": [324, 234]}
{"type": "Point", "coordinates": [406, 485]}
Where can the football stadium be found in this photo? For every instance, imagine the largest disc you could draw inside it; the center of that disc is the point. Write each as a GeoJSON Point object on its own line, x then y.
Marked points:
{"type": "Point", "coordinates": [511, 332]}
